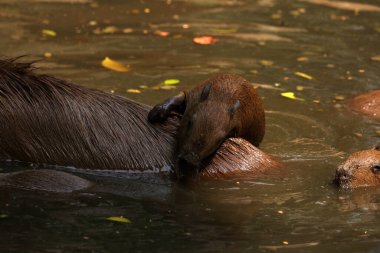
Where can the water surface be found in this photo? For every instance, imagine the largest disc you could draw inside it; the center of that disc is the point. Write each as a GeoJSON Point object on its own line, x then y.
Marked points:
{"type": "Point", "coordinates": [265, 41]}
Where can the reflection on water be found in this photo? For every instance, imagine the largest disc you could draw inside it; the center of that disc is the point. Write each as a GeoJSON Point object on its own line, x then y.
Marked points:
{"type": "Point", "coordinates": [266, 41]}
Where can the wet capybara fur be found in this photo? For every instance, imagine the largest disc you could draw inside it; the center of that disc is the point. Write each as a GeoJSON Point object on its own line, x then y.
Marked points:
{"type": "Point", "coordinates": [361, 169]}
{"type": "Point", "coordinates": [221, 107]}
{"type": "Point", "coordinates": [47, 120]}
{"type": "Point", "coordinates": [368, 104]}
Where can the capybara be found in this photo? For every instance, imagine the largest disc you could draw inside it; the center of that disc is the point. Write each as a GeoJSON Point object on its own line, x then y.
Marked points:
{"type": "Point", "coordinates": [368, 103]}
{"type": "Point", "coordinates": [47, 120]}
{"type": "Point", "coordinates": [360, 169]}
{"type": "Point", "coordinates": [218, 108]}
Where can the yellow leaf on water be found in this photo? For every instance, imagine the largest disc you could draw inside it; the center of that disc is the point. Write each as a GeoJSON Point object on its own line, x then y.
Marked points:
{"type": "Point", "coordinates": [114, 65]}
{"type": "Point", "coordinates": [47, 32]}
{"type": "Point", "coordinates": [170, 82]}
{"type": "Point", "coordinates": [377, 132]}
{"type": "Point", "coordinates": [291, 95]}
{"type": "Point", "coordinates": [133, 91]}
{"type": "Point", "coordinates": [119, 219]}
{"type": "Point", "coordinates": [306, 76]}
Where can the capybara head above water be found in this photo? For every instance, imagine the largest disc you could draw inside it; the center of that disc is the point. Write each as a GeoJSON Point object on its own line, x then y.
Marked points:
{"type": "Point", "coordinates": [218, 108]}
{"type": "Point", "coordinates": [360, 169]}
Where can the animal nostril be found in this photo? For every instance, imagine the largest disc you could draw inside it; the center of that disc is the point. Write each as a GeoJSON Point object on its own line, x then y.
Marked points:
{"type": "Point", "coordinates": [343, 175]}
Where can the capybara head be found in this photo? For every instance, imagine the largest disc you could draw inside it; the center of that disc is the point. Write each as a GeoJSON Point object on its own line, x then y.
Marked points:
{"type": "Point", "coordinates": [360, 169]}
{"type": "Point", "coordinates": [204, 127]}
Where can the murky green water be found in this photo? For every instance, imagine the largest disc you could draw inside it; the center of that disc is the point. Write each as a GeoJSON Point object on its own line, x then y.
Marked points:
{"type": "Point", "coordinates": [266, 41]}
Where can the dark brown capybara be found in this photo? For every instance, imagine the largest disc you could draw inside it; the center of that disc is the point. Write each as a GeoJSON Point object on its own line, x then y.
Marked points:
{"type": "Point", "coordinates": [44, 119]}
{"type": "Point", "coordinates": [368, 103]}
{"type": "Point", "coordinates": [360, 169]}
{"type": "Point", "coordinates": [218, 108]}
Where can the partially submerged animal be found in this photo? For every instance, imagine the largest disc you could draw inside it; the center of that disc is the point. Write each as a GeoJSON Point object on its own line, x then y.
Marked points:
{"type": "Point", "coordinates": [47, 120]}
{"type": "Point", "coordinates": [218, 108]}
{"type": "Point", "coordinates": [360, 169]}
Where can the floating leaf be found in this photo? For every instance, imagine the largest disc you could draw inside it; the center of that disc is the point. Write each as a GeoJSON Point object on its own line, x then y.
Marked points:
{"type": "Point", "coordinates": [204, 40]}
{"type": "Point", "coordinates": [291, 95]}
{"type": "Point", "coordinates": [47, 32]}
{"type": "Point", "coordinates": [377, 132]}
{"type": "Point", "coordinates": [171, 82]}
{"type": "Point", "coordinates": [119, 219]}
{"type": "Point", "coordinates": [375, 58]}
{"type": "Point", "coordinates": [162, 33]}
{"type": "Point", "coordinates": [266, 63]}
{"type": "Point", "coordinates": [167, 87]}
{"type": "Point", "coordinates": [300, 88]}
{"type": "Point", "coordinates": [48, 55]}
{"type": "Point", "coordinates": [339, 97]}
{"type": "Point", "coordinates": [306, 76]}
{"type": "Point", "coordinates": [133, 91]}
{"type": "Point", "coordinates": [114, 65]}
{"type": "Point", "coordinates": [110, 29]}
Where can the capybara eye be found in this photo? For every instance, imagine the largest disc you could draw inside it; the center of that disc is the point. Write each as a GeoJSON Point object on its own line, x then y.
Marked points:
{"type": "Point", "coordinates": [376, 168]}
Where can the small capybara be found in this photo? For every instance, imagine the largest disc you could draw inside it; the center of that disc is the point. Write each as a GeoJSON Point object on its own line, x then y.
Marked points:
{"type": "Point", "coordinates": [47, 120]}
{"type": "Point", "coordinates": [368, 103]}
{"type": "Point", "coordinates": [218, 108]}
{"type": "Point", "coordinates": [360, 169]}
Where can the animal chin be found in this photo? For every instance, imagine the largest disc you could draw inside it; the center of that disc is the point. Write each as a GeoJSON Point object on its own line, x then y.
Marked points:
{"type": "Point", "coordinates": [186, 168]}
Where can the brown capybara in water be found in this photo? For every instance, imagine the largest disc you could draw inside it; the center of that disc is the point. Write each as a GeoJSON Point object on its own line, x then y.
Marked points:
{"type": "Point", "coordinates": [360, 169]}
{"type": "Point", "coordinates": [221, 107]}
{"type": "Point", "coordinates": [368, 103]}
{"type": "Point", "coordinates": [44, 119]}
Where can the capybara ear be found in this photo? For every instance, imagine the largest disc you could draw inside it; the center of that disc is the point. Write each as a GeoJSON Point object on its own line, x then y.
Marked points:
{"type": "Point", "coordinates": [205, 92]}
{"type": "Point", "coordinates": [376, 146]}
{"type": "Point", "coordinates": [234, 108]}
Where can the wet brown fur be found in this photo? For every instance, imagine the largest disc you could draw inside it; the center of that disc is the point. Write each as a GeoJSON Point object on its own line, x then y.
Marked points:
{"type": "Point", "coordinates": [359, 170]}
{"type": "Point", "coordinates": [226, 89]}
{"type": "Point", "coordinates": [48, 120]}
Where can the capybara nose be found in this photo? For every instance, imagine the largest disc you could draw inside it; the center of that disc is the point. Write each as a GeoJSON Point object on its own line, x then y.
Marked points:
{"type": "Point", "coordinates": [342, 176]}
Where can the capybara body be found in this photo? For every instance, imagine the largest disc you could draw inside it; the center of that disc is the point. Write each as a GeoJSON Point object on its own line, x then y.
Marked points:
{"type": "Point", "coordinates": [47, 120]}
{"type": "Point", "coordinates": [218, 108]}
{"type": "Point", "coordinates": [368, 103]}
{"type": "Point", "coordinates": [360, 169]}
